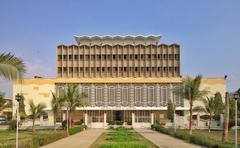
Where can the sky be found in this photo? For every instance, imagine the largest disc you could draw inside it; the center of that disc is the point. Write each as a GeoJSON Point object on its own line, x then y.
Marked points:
{"type": "Point", "coordinates": [208, 31]}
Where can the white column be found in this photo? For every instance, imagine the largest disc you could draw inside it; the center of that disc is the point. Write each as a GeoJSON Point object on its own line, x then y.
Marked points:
{"type": "Point", "coordinates": [152, 118]}
{"type": "Point", "coordinates": [86, 119]}
{"type": "Point", "coordinates": [104, 120]}
{"type": "Point", "coordinates": [221, 120]}
{"type": "Point", "coordinates": [198, 120]}
{"type": "Point", "coordinates": [41, 120]}
{"type": "Point", "coordinates": [133, 119]}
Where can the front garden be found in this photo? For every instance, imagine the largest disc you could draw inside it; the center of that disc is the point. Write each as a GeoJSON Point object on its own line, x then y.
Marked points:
{"type": "Point", "coordinates": [199, 137]}
{"type": "Point", "coordinates": [34, 140]}
{"type": "Point", "coordinates": [122, 138]}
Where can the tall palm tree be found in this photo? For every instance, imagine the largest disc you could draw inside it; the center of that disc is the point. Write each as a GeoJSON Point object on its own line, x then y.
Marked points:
{"type": "Point", "coordinates": [11, 67]}
{"type": "Point", "coordinates": [57, 103]}
{"type": "Point", "coordinates": [209, 106]}
{"type": "Point", "coordinates": [190, 90]}
{"type": "Point", "coordinates": [36, 110]}
{"type": "Point", "coordinates": [73, 99]}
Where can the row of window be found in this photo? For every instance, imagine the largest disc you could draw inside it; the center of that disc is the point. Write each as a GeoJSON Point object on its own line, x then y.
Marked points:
{"type": "Point", "coordinates": [87, 69]}
{"type": "Point", "coordinates": [124, 56]}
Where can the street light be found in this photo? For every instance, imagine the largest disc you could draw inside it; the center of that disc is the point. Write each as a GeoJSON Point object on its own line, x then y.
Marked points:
{"type": "Point", "coordinates": [18, 98]}
{"type": "Point", "coordinates": [236, 96]}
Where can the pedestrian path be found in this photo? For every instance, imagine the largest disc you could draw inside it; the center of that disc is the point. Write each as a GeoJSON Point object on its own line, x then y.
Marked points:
{"type": "Point", "coordinates": [164, 141]}
{"type": "Point", "coordinates": [80, 140]}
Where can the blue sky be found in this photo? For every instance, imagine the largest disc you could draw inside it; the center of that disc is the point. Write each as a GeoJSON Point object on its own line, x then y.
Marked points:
{"type": "Point", "coordinates": [208, 31]}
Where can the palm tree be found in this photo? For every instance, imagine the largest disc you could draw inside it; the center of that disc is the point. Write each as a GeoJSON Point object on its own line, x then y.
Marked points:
{"type": "Point", "coordinates": [190, 90]}
{"type": "Point", "coordinates": [11, 67]}
{"type": "Point", "coordinates": [73, 98]}
{"type": "Point", "coordinates": [36, 110]}
{"type": "Point", "coordinates": [209, 106]}
{"type": "Point", "coordinates": [57, 103]}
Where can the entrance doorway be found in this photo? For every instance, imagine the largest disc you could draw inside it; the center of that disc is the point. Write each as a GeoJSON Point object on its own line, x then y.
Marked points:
{"type": "Point", "coordinates": [118, 116]}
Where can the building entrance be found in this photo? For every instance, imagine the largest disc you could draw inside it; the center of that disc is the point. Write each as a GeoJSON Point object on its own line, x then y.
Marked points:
{"type": "Point", "coordinates": [118, 116]}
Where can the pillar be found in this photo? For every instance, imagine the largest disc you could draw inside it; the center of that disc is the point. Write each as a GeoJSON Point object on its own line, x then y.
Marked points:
{"type": "Point", "coordinates": [198, 120]}
{"type": "Point", "coordinates": [221, 120]}
{"type": "Point", "coordinates": [86, 119]}
{"type": "Point", "coordinates": [152, 118]}
{"type": "Point", "coordinates": [133, 119]}
{"type": "Point", "coordinates": [104, 120]}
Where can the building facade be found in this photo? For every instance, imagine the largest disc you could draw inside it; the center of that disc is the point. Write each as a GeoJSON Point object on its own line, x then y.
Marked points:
{"type": "Point", "coordinates": [128, 80]}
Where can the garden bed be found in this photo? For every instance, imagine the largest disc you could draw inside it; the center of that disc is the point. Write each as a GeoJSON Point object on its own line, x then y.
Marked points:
{"type": "Point", "coordinates": [34, 140]}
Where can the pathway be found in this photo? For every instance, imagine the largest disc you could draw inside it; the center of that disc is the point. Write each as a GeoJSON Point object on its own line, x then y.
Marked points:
{"type": "Point", "coordinates": [164, 141]}
{"type": "Point", "coordinates": [80, 140]}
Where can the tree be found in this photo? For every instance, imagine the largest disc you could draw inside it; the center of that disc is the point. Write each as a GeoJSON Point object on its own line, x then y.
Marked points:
{"type": "Point", "coordinates": [73, 99]}
{"type": "Point", "coordinates": [207, 108]}
{"type": "Point", "coordinates": [36, 110]}
{"type": "Point", "coordinates": [11, 67]}
{"type": "Point", "coordinates": [57, 103]}
{"type": "Point", "coordinates": [190, 90]}
{"type": "Point", "coordinates": [22, 111]}
{"type": "Point", "coordinates": [218, 104]}
{"type": "Point", "coordinates": [170, 111]}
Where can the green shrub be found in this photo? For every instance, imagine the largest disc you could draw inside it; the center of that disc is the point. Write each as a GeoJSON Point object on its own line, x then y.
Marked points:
{"type": "Point", "coordinates": [196, 139]}
{"type": "Point", "coordinates": [75, 130]}
{"type": "Point", "coordinates": [12, 125]}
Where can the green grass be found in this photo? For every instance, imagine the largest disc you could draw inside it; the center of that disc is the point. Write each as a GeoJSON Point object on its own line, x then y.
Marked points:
{"type": "Point", "coordinates": [122, 138]}
{"type": "Point", "coordinates": [33, 140]}
{"type": "Point", "coordinates": [200, 137]}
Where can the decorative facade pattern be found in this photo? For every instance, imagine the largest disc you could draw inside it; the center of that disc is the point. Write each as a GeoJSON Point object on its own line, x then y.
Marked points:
{"type": "Point", "coordinates": [141, 95]}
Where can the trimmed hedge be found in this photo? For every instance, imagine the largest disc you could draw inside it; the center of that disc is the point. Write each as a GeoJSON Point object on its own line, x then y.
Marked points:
{"type": "Point", "coordinates": [196, 139]}
{"type": "Point", "coordinates": [40, 139]}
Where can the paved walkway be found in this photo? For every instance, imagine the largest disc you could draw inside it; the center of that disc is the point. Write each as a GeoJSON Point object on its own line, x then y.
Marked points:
{"type": "Point", "coordinates": [164, 141]}
{"type": "Point", "coordinates": [80, 140]}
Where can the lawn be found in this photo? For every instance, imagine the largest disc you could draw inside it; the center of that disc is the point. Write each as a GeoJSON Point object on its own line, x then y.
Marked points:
{"type": "Point", "coordinates": [217, 135]}
{"type": "Point", "coordinates": [34, 140]}
{"type": "Point", "coordinates": [122, 138]}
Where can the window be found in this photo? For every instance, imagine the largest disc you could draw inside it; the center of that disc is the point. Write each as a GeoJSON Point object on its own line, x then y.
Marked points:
{"type": "Point", "coordinates": [99, 56]}
{"type": "Point", "coordinates": [159, 68]}
{"type": "Point", "coordinates": [76, 69]}
{"type": "Point", "coordinates": [93, 57]}
{"type": "Point", "coordinates": [59, 57]}
{"type": "Point", "coordinates": [81, 69]}
{"type": "Point", "coordinates": [177, 56]}
{"type": "Point", "coordinates": [59, 69]}
{"type": "Point", "coordinates": [45, 116]}
{"type": "Point", "coordinates": [109, 56]}
{"type": "Point", "coordinates": [165, 56]}
{"type": "Point", "coordinates": [165, 68]}
{"type": "Point", "coordinates": [109, 68]}
{"type": "Point", "coordinates": [148, 68]}
{"type": "Point", "coordinates": [87, 69]}
{"type": "Point", "coordinates": [125, 68]}
{"type": "Point", "coordinates": [98, 68]}
{"type": "Point", "coordinates": [81, 57]}
{"type": "Point", "coordinates": [70, 57]}
{"type": "Point", "coordinates": [76, 57]}
{"type": "Point", "coordinates": [160, 56]}
{"type": "Point", "coordinates": [149, 56]}
{"type": "Point", "coordinates": [64, 57]}
{"type": "Point", "coordinates": [103, 68]}
{"type": "Point", "coordinates": [65, 69]}
{"type": "Point", "coordinates": [125, 56]}
{"type": "Point", "coordinates": [70, 69]}
{"type": "Point", "coordinates": [87, 57]}
{"type": "Point", "coordinates": [136, 56]}
{"type": "Point", "coordinates": [114, 56]}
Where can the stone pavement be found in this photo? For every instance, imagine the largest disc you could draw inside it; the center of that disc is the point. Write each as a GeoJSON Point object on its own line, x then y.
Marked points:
{"type": "Point", "coordinates": [80, 140]}
{"type": "Point", "coordinates": [164, 141]}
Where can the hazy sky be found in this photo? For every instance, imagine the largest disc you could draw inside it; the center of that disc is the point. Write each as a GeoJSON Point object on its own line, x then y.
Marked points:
{"type": "Point", "coordinates": [208, 31]}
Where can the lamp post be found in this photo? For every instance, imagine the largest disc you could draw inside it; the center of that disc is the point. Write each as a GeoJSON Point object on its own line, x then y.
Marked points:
{"type": "Point", "coordinates": [236, 96]}
{"type": "Point", "coordinates": [18, 97]}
